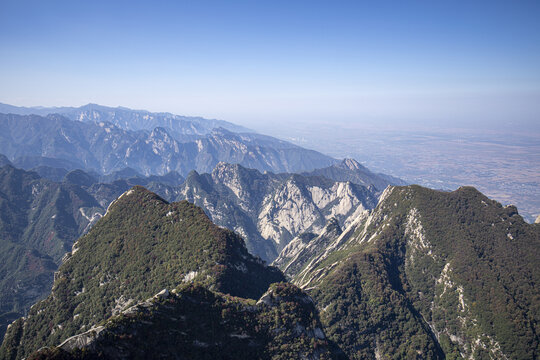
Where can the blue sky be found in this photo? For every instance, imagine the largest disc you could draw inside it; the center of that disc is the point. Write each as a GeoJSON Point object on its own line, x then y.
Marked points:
{"type": "Point", "coordinates": [394, 62]}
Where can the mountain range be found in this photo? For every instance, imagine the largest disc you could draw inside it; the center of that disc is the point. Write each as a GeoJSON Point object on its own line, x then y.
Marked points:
{"type": "Point", "coordinates": [426, 274]}
{"type": "Point", "coordinates": [47, 209]}
{"type": "Point", "coordinates": [205, 284]}
{"type": "Point", "coordinates": [129, 119]}
{"type": "Point", "coordinates": [119, 211]}
{"type": "Point", "coordinates": [110, 139]}
{"type": "Point", "coordinates": [39, 221]}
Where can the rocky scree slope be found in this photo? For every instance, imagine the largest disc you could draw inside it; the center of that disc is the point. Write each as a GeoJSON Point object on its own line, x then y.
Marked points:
{"type": "Point", "coordinates": [429, 274]}
{"type": "Point", "coordinates": [141, 246]}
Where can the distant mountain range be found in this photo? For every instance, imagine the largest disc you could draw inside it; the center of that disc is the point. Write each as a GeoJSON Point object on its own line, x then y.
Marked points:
{"type": "Point", "coordinates": [105, 139]}
{"type": "Point", "coordinates": [104, 147]}
{"type": "Point", "coordinates": [128, 119]}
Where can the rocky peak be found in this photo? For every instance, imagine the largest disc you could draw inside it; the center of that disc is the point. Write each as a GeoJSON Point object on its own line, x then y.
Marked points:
{"type": "Point", "coordinates": [284, 292]}
{"type": "Point", "coordinates": [351, 164]}
{"type": "Point", "coordinates": [4, 160]}
{"type": "Point", "coordinates": [79, 177]}
{"type": "Point", "coordinates": [224, 171]}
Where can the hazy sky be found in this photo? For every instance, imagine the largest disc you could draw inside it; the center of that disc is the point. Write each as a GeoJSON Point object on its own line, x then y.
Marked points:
{"type": "Point", "coordinates": [435, 62]}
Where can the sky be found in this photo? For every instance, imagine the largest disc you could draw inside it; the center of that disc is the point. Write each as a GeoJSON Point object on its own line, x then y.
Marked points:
{"type": "Point", "coordinates": [429, 63]}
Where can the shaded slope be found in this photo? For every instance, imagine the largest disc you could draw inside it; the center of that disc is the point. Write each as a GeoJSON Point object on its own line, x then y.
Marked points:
{"type": "Point", "coordinates": [195, 323]}
{"type": "Point", "coordinates": [39, 221]}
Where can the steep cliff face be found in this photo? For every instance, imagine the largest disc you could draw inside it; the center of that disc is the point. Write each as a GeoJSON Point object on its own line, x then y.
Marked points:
{"type": "Point", "coordinates": [269, 210]}
{"type": "Point", "coordinates": [294, 257]}
{"type": "Point", "coordinates": [142, 245]}
{"type": "Point", "coordinates": [430, 274]}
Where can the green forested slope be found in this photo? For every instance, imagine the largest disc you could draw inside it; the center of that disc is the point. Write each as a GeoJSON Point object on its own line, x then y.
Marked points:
{"type": "Point", "coordinates": [141, 246]}
{"type": "Point", "coordinates": [432, 274]}
{"type": "Point", "coordinates": [195, 323]}
{"type": "Point", "coordinates": [39, 221]}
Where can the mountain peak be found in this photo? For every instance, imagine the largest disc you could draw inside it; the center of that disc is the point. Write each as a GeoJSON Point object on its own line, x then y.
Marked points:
{"type": "Point", "coordinates": [141, 246]}
{"type": "Point", "coordinates": [160, 132]}
{"type": "Point", "coordinates": [351, 164]}
{"type": "Point", "coordinates": [137, 196]}
{"type": "Point", "coordinates": [228, 171]}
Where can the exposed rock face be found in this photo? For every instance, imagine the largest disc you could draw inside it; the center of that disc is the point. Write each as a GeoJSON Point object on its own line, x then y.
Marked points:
{"type": "Point", "coordinates": [303, 248]}
{"type": "Point", "coordinates": [429, 274]}
{"type": "Point", "coordinates": [85, 340]}
{"type": "Point", "coordinates": [269, 210]}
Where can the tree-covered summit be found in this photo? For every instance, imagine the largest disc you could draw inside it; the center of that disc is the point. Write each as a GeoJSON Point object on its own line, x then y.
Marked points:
{"type": "Point", "coordinates": [141, 246]}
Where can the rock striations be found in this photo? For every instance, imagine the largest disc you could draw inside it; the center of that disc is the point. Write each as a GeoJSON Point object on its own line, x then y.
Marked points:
{"type": "Point", "coordinates": [268, 209]}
